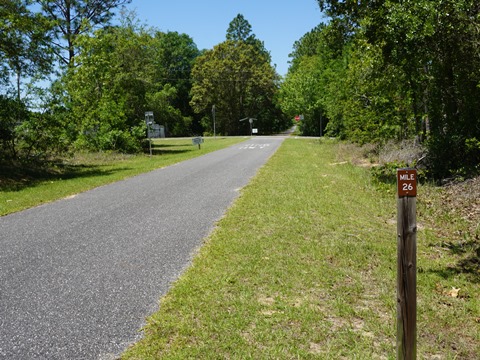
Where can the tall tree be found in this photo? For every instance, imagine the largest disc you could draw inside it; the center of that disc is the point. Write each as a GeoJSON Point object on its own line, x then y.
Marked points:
{"type": "Point", "coordinates": [307, 45]}
{"type": "Point", "coordinates": [108, 90]}
{"type": "Point", "coordinates": [301, 93]}
{"type": "Point", "coordinates": [237, 77]}
{"type": "Point", "coordinates": [75, 17]}
{"type": "Point", "coordinates": [313, 84]}
{"type": "Point", "coordinates": [24, 53]}
{"type": "Point", "coordinates": [174, 56]}
{"type": "Point", "coordinates": [240, 30]}
{"type": "Point", "coordinates": [24, 49]}
{"type": "Point", "coordinates": [238, 80]}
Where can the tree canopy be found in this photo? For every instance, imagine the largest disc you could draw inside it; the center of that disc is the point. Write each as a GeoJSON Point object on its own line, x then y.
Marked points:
{"type": "Point", "coordinates": [72, 18]}
{"type": "Point", "coordinates": [236, 76]}
{"type": "Point", "coordinates": [99, 104]}
{"type": "Point", "coordinates": [376, 71]}
{"type": "Point", "coordinates": [24, 49]}
{"type": "Point", "coordinates": [395, 70]}
{"type": "Point", "coordinates": [240, 30]}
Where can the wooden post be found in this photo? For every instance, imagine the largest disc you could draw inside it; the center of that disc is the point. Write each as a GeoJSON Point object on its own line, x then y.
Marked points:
{"type": "Point", "coordinates": [406, 264]}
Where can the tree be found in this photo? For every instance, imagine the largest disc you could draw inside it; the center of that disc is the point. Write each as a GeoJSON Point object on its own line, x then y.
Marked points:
{"type": "Point", "coordinates": [236, 77]}
{"type": "Point", "coordinates": [174, 55]}
{"type": "Point", "coordinates": [24, 53]}
{"type": "Point", "coordinates": [24, 49]}
{"type": "Point", "coordinates": [432, 49]}
{"type": "Point", "coordinates": [301, 93]}
{"type": "Point", "coordinates": [73, 18]}
{"type": "Point", "coordinates": [319, 62]}
{"type": "Point", "coordinates": [11, 111]}
{"type": "Point", "coordinates": [161, 103]}
{"type": "Point", "coordinates": [108, 90]}
{"type": "Point", "coordinates": [453, 89]}
{"type": "Point", "coordinates": [306, 46]}
{"type": "Point", "coordinates": [240, 30]}
{"type": "Point", "coordinates": [122, 72]}
{"type": "Point", "coordinates": [238, 80]}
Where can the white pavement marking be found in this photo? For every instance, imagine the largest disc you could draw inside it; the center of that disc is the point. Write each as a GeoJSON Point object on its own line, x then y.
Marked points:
{"type": "Point", "coordinates": [253, 146]}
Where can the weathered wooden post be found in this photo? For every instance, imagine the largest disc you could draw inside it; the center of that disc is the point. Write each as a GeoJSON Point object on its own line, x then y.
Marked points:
{"type": "Point", "coordinates": [406, 264]}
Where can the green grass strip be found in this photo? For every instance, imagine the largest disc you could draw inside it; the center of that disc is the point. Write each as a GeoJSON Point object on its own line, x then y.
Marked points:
{"type": "Point", "coordinates": [22, 188]}
{"type": "Point", "coordinates": [303, 266]}
{"type": "Point", "coordinates": [293, 271]}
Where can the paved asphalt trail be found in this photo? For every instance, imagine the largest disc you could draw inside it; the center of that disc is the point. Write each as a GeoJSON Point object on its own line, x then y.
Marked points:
{"type": "Point", "coordinates": [79, 276]}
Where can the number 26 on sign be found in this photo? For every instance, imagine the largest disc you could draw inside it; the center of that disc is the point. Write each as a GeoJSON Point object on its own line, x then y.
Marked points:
{"type": "Point", "coordinates": [407, 182]}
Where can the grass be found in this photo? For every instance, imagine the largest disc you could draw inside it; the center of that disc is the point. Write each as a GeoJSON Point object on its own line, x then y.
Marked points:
{"type": "Point", "coordinates": [24, 187]}
{"type": "Point", "coordinates": [303, 266]}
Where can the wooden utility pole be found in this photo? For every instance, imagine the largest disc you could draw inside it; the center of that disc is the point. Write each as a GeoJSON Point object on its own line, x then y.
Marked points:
{"type": "Point", "coordinates": [214, 129]}
{"type": "Point", "coordinates": [406, 264]}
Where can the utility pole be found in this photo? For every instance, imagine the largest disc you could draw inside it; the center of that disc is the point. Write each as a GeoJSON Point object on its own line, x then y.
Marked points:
{"type": "Point", "coordinates": [213, 115]}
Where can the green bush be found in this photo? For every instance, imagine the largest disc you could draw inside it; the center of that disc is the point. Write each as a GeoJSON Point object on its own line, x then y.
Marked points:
{"type": "Point", "coordinates": [26, 135]}
{"type": "Point", "coordinates": [387, 173]}
{"type": "Point", "coordinates": [107, 138]}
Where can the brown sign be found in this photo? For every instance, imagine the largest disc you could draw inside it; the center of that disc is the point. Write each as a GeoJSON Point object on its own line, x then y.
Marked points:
{"type": "Point", "coordinates": [407, 182]}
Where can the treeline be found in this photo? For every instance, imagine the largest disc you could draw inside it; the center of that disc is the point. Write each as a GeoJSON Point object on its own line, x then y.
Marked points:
{"type": "Point", "coordinates": [393, 70]}
{"type": "Point", "coordinates": [104, 77]}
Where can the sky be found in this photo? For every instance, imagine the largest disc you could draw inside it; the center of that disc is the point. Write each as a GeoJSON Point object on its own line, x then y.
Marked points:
{"type": "Point", "coordinates": [278, 23]}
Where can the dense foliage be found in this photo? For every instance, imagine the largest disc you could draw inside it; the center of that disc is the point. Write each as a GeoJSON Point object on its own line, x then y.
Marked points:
{"type": "Point", "coordinates": [237, 78]}
{"type": "Point", "coordinates": [125, 71]}
{"type": "Point", "coordinates": [385, 70]}
{"type": "Point", "coordinates": [24, 48]}
{"type": "Point", "coordinates": [72, 18]}
{"type": "Point", "coordinates": [239, 82]}
{"type": "Point", "coordinates": [106, 78]}
{"type": "Point", "coordinates": [377, 71]}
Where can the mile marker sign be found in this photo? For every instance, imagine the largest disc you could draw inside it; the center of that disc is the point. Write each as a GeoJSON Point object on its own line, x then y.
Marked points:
{"type": "Point", "coordinates": [407, 182]}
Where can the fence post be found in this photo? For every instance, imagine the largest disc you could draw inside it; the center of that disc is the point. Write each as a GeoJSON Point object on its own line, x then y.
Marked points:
{"type": "Point", "coordinates": [406, 264]}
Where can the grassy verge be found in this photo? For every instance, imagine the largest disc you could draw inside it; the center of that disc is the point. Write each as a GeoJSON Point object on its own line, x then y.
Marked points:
{"type": "Point", "coordinates": [304, 266]}
{"type": "Point", "coordinates": [21, 187]}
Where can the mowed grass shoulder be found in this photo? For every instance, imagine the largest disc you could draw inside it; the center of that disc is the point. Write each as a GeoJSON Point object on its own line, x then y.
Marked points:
{"type": "Point", "coordinates": [303, 266]}
{"type": "Point", "coordinates": [21, 188]}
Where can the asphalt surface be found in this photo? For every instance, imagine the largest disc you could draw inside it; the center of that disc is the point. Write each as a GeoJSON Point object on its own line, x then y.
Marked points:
{"type": "Point", "coordinates": [79, 276]}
